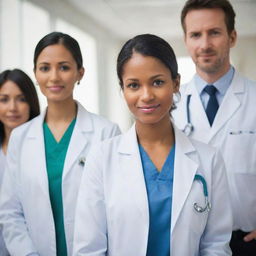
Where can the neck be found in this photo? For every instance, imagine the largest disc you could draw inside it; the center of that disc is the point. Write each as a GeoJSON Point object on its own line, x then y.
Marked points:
{"type": "Point", "coordinates": [152, 134]}
{"type": "Point", "coordinates": [212, 77]}
{"type": "Point", "coordinates": [61, 111]}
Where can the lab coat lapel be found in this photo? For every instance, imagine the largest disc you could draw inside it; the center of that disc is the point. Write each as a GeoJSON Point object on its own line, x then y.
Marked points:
{"type": "Point", "coordinates": [229, 105]}
{"type": "Point", "coordinates": [131, 167]}
{"type": "Point", "coordinates": [197, 113]}
{"type": "Point", "coordinates": [35, 153]}
{"type": "Point", "coordinates": [78, 139]}
{"type": "Point", "coordinates": [185, 167]}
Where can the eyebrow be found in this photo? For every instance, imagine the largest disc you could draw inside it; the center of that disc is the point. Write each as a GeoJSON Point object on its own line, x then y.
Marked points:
{"type": "Point", "coordinates": [47, 63]}
{"type": "Point", "coordinates": [21, 94]}
{"type": "Point", "coordinates": [151, 78]}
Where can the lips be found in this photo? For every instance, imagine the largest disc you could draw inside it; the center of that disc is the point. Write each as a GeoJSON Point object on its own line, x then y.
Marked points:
{"type": "Point", "coordinates": [55, 88]}
{"type": "Point", "coordinates": [13, 118]}
{"type": "Point", "coordinates": [149, 108]}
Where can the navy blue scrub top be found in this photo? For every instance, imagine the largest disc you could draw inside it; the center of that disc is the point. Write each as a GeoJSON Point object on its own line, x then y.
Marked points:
{"type": "Point", "coordinates": [159, 190]}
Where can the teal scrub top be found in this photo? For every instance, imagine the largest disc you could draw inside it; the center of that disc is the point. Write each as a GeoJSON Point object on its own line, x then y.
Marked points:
{"type": "Point", "coordinates": [55, 153]}
{"type": "Point", "coordinates": [159, 191]}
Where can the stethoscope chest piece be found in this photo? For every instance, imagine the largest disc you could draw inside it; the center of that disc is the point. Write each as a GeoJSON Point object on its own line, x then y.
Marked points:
{"type": "Point", "coordinates": [188, 129]}
{"type": "Point", "coordinates": [201, 209]}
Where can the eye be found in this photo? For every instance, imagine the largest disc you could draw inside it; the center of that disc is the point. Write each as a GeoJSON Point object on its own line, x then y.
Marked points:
{"type": "Point", "coordinates": [133, 86]}
{"type": "Point", "coordinates": [64, 67]}
{"type": "Point", "coordinates": [3, 99]}
{"type": "Point", "coordinates": [158, 82]}
{"type": "Point", "coordinates": [214, 32]}
{"type": "Point", "coordinates": [44, 68]}
{"type": "Point", "coordinates": [195, 35]}
{"type": "Point", "coordinates": [22, 99]}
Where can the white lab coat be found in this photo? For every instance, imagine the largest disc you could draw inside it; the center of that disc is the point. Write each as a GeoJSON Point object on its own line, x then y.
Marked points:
{"type": "Point", "coordinates": [112, 216]}
{"type": "Point", "coordinates": [234, 133]}
{"type": "Point", "coordinates": [3, 250]}
{"type": "Point", "coordinates": [25, 209]}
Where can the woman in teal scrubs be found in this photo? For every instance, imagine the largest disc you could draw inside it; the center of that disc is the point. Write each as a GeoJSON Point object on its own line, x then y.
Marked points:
{"type": "Point", "coordinates": [139, 194]}
{"type": "Point", "coordinates": [47, 155]}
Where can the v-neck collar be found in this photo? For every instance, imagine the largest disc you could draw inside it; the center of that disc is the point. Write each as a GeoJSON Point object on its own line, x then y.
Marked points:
{"type": "Point", "coordinates": [150, 170]}
{"type": "Point", "coordinates": [64, 137]}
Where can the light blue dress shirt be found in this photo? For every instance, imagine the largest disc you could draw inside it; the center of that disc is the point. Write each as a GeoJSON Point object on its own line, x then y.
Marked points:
{"type": "Point", "coordinates": [159, 190]}
{"type": "Point", "coordinates": [221, 85]}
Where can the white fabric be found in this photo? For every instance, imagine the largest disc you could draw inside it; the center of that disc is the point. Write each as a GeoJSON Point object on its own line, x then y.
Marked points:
{"type": "Point", "coordinates": [234, 133]}
{"type": "Point", "coordinates": [112, 216]}
{"type": "Point", "coordinates": [25, 209]}
{"type": "Point", "coordinates": [3, 250]}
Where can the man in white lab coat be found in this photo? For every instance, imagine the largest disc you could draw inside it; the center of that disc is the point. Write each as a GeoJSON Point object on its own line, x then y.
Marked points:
{"type": "Point", "coordinates": [218, 107]}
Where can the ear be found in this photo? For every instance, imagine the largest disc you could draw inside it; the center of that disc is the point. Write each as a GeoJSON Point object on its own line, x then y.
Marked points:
{"type": "Point", "coordinates": [232, 38]}
{"type": "Point", "coordinates": [176, 84]}
{"type": "Point", "coordinates": [81, 73]}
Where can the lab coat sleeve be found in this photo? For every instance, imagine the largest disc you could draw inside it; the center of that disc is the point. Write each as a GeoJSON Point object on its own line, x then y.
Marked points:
{"type": "Point", "coordinates": [90, 235]}
{"type": "Point", "coordinates": [217, 234]}
{"type": "Point", "coordinates": [12, 219]}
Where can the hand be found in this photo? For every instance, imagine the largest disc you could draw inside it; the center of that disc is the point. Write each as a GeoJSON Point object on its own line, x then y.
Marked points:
{"type": "Point", "coordinates": [250, 236]}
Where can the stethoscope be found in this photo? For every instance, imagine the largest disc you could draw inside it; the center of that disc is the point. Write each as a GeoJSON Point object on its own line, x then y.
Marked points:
{"type": "Point", "coordinates": [188, 129]}
{"type": "Point", "coordinates": [207, 206]}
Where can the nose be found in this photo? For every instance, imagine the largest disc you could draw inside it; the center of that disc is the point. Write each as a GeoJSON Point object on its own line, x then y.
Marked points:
{"type": "Point", "coordinates": [147, 94]}
{"type": "Point", "coordinates": [54, 75]}
{"type": "Point", "coordinates": [205, 42]}
{"type": "Point", "coordinates": [13, 105]}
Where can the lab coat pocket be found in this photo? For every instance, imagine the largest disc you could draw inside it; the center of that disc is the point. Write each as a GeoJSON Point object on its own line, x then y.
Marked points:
{"type": "Point", "coordinates": [242, 144]}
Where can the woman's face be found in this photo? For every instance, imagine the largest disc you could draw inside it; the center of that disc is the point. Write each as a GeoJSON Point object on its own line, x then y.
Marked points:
{"type": "Point", "coordinates": [14, 109]}
{"type": "Point", "coordinates": [56, 73]}
{"type": "Point", "coordinates": [148, 88]}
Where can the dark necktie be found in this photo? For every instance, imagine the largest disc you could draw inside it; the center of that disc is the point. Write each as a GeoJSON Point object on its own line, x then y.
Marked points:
{"type": "Point", "coordinates": [212, 106]}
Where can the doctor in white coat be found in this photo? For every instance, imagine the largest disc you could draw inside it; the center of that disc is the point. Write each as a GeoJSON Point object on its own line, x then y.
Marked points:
{"type": "Point", "coordinates": [18, 104]}
{"type": "Point", "coordinates": [209, 35]}
{"type": "Point", "coordinates": [145, 192]}
{"type": "Point", "coordinates": [46, 156]}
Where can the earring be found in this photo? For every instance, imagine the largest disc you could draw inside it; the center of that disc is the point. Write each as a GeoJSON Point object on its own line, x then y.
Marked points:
{"type": "Point", "coordinates": [36, 83]}
{"type": "Point", "coordinates": [78, 82]}
{"type": "Point", "coordinates": [176, 98]}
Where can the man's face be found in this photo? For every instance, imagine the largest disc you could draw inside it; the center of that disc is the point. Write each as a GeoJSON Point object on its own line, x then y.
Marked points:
{"type": "Point", "coordinates": [208, 41]}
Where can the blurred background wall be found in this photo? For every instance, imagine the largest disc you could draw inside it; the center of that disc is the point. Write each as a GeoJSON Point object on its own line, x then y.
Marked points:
{"type": "Point", "coordinates": [101, 27]}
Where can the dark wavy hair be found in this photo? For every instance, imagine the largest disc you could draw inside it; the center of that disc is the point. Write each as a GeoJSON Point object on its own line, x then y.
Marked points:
{"type": "Point", "coordinates": [25, 84]}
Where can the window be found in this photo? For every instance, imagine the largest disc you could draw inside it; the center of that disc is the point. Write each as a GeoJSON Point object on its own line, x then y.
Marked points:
{"type": "Point", "coordinates": [186, 69]}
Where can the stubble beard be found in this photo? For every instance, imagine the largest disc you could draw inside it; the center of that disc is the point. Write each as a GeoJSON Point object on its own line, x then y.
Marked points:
{"type": "Point", "coordinates": [210, 68]}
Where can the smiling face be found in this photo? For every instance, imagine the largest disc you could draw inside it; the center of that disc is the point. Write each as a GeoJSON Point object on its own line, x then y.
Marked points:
{"type": "Point", "coordinates": [14, 109]}
{"type": "Point", "coordinates": [148, 89]}
{"type": "Point", "coordinates": [208, 41]}
{"type": "Point", "coordinates": [56, 73]}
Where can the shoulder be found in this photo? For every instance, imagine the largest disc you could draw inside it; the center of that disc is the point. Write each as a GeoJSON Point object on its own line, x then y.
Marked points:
{"type": "Point", "coordinates": [22, 130]}
{"type": "Point", "coordinates": [97, 121]}
{"type": "Point", "coordinates": [248, 83]}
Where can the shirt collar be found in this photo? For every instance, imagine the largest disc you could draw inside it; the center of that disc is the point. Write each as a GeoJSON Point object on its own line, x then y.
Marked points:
{"type": "Point", "coordinates": [221, 84]}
